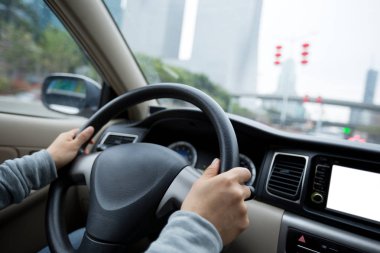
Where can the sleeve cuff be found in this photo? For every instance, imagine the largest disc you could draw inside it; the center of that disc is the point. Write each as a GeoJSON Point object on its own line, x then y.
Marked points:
{"type": "Point", "coordinates": [47, 170]}
{"type": "Point", "coordinates": [201, 225]}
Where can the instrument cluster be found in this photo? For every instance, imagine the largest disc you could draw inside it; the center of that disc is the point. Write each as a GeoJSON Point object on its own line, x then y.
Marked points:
{"type": "Point", "coordinates": [188, 151]}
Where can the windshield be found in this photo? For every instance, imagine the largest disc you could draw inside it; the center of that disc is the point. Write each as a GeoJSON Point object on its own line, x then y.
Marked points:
{"type": "Point", "coordinates": [301, 66]}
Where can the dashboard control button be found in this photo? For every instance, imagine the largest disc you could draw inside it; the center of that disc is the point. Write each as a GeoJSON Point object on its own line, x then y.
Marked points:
{"type": "Point", "coordinates": [246, 162]}
{"type": "Point", "coordinates": [317, 198]}
{"type": "Point", "coordinates": [301, 242]}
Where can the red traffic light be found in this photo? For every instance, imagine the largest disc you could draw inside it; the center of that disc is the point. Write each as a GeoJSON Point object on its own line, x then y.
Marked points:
{"type": "Point", "coordinates": [278, 55]}
{"type": "Point", "coordinates": [306, 98]}
{"type": "Point", "coordinates": [305, 53]}
{"type": "Point", "coordinates": [319, 99]}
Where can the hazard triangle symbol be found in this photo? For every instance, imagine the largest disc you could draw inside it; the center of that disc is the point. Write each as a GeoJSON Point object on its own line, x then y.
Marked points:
{"type": "Point", "coordinates": [302, 239]}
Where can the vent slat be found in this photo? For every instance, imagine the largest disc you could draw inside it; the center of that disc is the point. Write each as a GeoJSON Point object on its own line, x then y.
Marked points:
{"type": "Point", "coordinates": [287, 172]}
{"type": "Point", "coordinates": [289, 165]}
{"type": "Point", "coordinates": [286, 176]}
{"type": "Point", "coordinates": [280, 189]}
{"type": "Point", "coordinates": [290, 174]}
{"type": "Point", "coordinates": [296, 180]}
{"type": "Point", "coordinates": [279, 166]}
{"type": "Point", "coordinates": [114, 139]}
{"type": "Point", "coordinates": [284, 184]}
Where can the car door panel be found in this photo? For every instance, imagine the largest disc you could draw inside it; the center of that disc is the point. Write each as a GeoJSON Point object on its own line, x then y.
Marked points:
{"type": "Point", "coordinates": [19, 136]}
{"type": "Point", "coordinates": [23, 135]}
{"type": "Point", "coordinates": [7, 153]}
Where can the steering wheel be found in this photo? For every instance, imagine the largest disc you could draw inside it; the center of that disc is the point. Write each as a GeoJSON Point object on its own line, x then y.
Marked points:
{"type": "Point", "coordinates": [132, 184]}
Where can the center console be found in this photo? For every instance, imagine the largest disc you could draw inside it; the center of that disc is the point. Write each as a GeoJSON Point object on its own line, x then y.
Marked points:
{"type": "Point", "coordinates": [345, 190]}
{"type": "Point", "coordinates": [338, 209]}
{"type": "Point", "coordinates": [301, 235]}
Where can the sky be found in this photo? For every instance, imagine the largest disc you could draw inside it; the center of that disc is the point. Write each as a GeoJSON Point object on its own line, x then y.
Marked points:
{"type": "Point", "coordinates": [344, 43]}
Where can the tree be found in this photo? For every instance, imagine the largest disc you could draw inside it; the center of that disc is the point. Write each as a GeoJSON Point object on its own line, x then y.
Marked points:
{"type": "Point", "coordinates": [59, 52]}
{"type": "Point", "coordinates": [33, 45]}
{"type": "Point", "coordinates": [19, 53]}
{"type": "Point", "coordinates": [22, 15]}
{"type": "Point", "coordinates": [157, 71]}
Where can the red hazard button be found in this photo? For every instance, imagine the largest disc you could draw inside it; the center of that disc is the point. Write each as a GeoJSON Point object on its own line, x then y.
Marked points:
{"type": "Point", "coordinates": [302, 239]}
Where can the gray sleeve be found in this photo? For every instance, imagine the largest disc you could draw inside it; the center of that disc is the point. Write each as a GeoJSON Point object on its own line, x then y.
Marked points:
{"type": "Point", "coordinates": [19, 176]}
{"type": "Point", "coordinates": [187, 232]}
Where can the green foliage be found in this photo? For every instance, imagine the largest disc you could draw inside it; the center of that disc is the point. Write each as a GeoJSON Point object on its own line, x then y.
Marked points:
{"type": "Point", "coordinates": [242, 111]}
{"type": "Point", "coordinates": [31, 47]}
{"type": "Point", "coordinates": [157, 71]}
{"type": "Point", "coordinates": [19, 51]}
{"type": "Point", "coordinates": [4, 84]}
{"type": "Point", "coordinates": [18, 13]}
{"type": "Point", "coordinates": [59, 51]}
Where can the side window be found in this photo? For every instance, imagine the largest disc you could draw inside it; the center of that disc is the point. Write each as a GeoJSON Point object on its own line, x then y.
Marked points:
{"type": "Point", "coordinates": [33, 45]}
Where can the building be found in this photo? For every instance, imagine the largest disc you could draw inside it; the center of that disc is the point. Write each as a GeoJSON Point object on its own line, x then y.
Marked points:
{"type": "Point", "coordinates": [360, 117]}
{"type": "Point", "coordinates": [219, 42]}
{"type": "Point", "coordinates": [370, 86]}
{"type": "Point", "coordinates": [286, 111]}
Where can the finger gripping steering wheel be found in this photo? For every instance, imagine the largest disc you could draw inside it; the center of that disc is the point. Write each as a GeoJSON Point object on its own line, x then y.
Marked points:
{"type": "Point", "coordinates": [128, 181]}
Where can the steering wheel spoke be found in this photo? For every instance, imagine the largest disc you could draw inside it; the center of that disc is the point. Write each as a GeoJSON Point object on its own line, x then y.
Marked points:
{"type": "Point", "coordinates": [177, 191]}
{"type": "Point", "coordinates": [81, 168]}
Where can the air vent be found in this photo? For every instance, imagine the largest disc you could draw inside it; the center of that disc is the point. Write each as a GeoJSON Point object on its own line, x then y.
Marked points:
{"type": "Point", "coordinates": [113, 139]}
{"type": "Point", "coordinates": [286, 177]}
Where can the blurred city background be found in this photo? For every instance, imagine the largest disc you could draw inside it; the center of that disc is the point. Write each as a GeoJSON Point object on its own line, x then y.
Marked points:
{"type": "Point", "coordinates": [301, 66]}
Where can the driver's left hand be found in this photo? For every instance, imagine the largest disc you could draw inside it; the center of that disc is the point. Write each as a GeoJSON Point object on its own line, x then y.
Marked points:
{"type": "Point", "coordinates": [65, 147]}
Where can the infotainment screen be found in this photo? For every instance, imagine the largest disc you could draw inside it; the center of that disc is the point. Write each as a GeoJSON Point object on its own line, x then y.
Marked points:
{"type": "Point", "coordinates": [354, 192]}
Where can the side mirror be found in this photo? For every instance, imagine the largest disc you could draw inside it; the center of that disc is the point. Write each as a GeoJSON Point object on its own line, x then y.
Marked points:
{"type": "Point", "coordinates": [71, 94]}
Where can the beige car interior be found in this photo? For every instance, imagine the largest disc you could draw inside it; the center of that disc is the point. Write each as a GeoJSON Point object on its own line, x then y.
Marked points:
{"type": "Point", "coordinates": [22, 135]}
{"type": "Point", "coordinates": [89, 22]}
{"type": "Point", "coordinates": [19, 136]}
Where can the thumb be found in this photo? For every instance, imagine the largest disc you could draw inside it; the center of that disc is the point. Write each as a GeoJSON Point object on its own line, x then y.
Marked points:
{"type": "Point", "coordinates": [84, 136]}
{"type": "Point", "coordinates": [212, 170]}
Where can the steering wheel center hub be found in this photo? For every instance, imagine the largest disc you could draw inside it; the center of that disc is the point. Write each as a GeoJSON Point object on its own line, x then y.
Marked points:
{"type": "Point", "coordinates": [127, 183]}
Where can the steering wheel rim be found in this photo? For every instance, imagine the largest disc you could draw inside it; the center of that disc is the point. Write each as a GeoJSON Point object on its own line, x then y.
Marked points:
{"type": "Point", "coordinates": [228, 147]}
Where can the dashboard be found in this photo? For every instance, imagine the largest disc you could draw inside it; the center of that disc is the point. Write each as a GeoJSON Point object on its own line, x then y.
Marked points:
{"type": "Point", "coordinates": [327, 191]}
{"type": "Point", "coordinates": [187, 151]}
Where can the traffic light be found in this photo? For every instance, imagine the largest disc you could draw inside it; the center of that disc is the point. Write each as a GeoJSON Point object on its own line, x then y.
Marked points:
{"type": "Point", "coordinates": [305, 53]}
{"type": "Point", "coordinates": [346, 130]}
{"type": "Point", "coordinates": [278, 55]}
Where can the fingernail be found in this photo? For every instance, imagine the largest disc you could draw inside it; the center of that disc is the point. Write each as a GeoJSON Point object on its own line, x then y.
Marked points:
{"type": "Point", "coordinates": [215, 162]}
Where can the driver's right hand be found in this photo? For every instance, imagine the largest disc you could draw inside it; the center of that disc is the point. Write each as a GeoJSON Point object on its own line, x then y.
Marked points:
{"type": "Point", "coordinates": [219, 198]}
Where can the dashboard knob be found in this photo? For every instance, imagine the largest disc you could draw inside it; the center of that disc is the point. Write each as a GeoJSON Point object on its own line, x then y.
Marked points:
{"type": "Point", "coordinates": [317, 198]}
